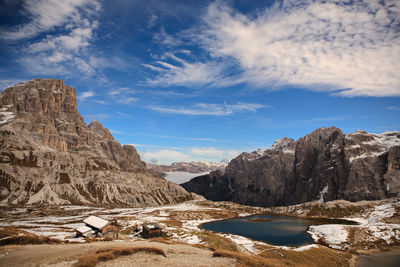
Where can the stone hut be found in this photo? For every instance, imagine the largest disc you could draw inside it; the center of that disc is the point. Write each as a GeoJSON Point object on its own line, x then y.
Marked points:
{"type": "Point", "coordinates": [151, 230]}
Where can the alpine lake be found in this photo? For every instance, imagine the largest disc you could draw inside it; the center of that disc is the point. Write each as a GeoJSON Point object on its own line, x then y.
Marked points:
{"type": "Point", "coordinates": [272, 229]}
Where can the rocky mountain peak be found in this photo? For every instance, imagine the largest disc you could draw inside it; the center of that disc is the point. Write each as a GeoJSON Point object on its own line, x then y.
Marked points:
{"type": "Point", "coordinates": [41, 96]}
{"type": "Point", "coordinates": [49, 155]}
{"type": "Point", "coordinates": [323, 165]}
{"type": "Point", "coordinates": [284, 144]}
{"type": "Point", "coordinates": [98, 128]}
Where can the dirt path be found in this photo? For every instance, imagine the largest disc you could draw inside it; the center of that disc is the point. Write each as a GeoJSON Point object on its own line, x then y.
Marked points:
{"type": "Point", "coordinates": [68, 254]}
{"type": "Point", "coordinates": [389, 258]}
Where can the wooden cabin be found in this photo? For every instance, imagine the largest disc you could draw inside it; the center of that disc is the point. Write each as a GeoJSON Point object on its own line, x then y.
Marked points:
{"type": "Point", "coordinates": [96, 226]}
{"type": "Point", "coordinates": [151, 230]}
{"type": "Point", "coordinates": [110, 230]}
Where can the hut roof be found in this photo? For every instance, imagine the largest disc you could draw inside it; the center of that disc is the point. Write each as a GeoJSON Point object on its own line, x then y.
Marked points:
{"type": "Point", "coordinates": [84, 229]}
{"type": "Point", "coordinates": [151, 226]}
{"type": "Point", "coordinates": [96, 222]}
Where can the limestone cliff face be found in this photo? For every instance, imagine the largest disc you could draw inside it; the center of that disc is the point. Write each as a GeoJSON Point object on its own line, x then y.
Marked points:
{"type": "Point", "coordinates": [324, 165]}
{"type": "Point", "coordinates": [49, 155]}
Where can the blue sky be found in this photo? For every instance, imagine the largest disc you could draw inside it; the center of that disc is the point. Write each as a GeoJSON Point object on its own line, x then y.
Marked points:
{"type": "Point", "coordinates": [206, 80]}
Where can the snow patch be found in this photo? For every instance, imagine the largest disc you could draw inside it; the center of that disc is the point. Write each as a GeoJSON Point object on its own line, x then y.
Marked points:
{"type": "Point", "coordinates": [6, 116]}
{"type": "Point", "coordinates": [335, 235]}
{"type": "Point", "coordinates": [302, 248]}
{"type": "Point", "coordinates": [242, 241]}
{"type": "Point", "coordinates": [322, 193]}
{"type": "Point", "coordinates": [366, 155]}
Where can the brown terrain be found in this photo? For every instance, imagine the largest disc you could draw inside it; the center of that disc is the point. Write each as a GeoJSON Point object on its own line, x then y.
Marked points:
{"type": "Point", "coordinates": [69, 254]}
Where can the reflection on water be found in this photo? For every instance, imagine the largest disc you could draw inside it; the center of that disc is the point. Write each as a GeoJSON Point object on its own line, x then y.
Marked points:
{"type": "Point", "coordinates": [294, 228]}
{"type": "Point", "coordinates": [275, 230]}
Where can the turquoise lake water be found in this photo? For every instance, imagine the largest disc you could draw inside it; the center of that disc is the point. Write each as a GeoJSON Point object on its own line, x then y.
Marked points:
{"type": "Point", "coordinates": [274, 230]}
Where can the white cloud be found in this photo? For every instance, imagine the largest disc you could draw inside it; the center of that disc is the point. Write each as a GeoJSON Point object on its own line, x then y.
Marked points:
{"type": "Point", "coordinates": [181, 72]}
{"type": "Point", "coordinates": [211, 109]}
{"type": "Point", "coordinates": [76, 40]}
{"type": "Point", "coordinates": [209, 151]}
{"type": "Point", "coordinates": [56, 37]}
{"type": "Point", "coordinates": [6, 83]}
{"type": "Point", "coordinates": [349, 49]}
{"type": "Point", "coordinates": [85, 95]}
{"type": "Point", "coordinates": [127, 100]}
{"type": "Point", "coordinates": [164, 155]}
{"type": "Point", "coordinates": [45, 15]}
{"type": "Point", "coordinates": [152, 21]}
{"type": "Point", "coordinates": [321, 46]}
{"type": "Point", "coordinates": [166, 39]}
{"type": "Point", "coordinates": [170, 155]}
{"type": "Point", "coordinates": [396, 108]}
{"type": "Point", "coordinates": [122, 95]}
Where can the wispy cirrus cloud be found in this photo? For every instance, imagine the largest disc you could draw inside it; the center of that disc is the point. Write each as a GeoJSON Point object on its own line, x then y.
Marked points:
{"type": "Point", "coordinates": [174, 70]}
{"type": "Point", "coordinates": [334, 46]}
{"type": "Point", "coordinates": [208, 151]}
{"type": "Point", "coordinates": [84, 95]}
{"type": "Point", "coordinates": [56, 37]}
{"type": "Point", "coordinates": [164, 155]}
{"type": "Point", "coordinates": [123, 95]}
{"type": "Point", "coordinates": [320, 45]}
{"type": "Point", "coordinates": [395, 108]}
{"type": "Point", "coordinates": [45, 15]}
{"type": "Point", "coordinates": [210, 109]}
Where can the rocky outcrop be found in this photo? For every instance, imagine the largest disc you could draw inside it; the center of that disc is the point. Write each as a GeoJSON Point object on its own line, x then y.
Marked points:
{"type": "Point", "coordinates": [324, 165]}
{"type": "Point", "coordinates": [49, 155]}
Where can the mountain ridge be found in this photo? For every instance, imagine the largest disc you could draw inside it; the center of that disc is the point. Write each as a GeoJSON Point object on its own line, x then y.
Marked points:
{"type": "Point", "coordinates": [323, 165]}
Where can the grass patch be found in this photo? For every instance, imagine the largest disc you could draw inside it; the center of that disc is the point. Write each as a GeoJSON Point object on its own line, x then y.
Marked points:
{"type": "Point", "coordinates": [215, 241]}
{"type": "Point", "coordinates": [172, 223]}
{"type": "Point", "coordinates": [112, 253]}
{"type": "Point", "coordinates": [163, 240]}
{"type": "Point", "coordinates": [276, 257]}
{"type": "Point", "coordinates": [252, 260]}
{"type": "Point", "coordinates": [14, 236]}
{"type": "Point", "coordinates": [320, 256]}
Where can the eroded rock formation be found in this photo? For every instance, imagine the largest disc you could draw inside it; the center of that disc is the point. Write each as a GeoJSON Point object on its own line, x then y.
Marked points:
{"type": "Point", "coordinates": [49, 155]}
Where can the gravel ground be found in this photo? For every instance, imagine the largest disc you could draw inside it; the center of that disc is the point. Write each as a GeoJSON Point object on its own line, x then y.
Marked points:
{"type": "Point", "coordinates": [68, 254]}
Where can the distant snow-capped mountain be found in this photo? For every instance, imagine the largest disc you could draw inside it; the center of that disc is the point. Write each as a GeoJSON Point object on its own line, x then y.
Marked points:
{"type": "Point", "coordinates": [190, 167]}
{"type": "Point", "coordinates": [181, 172]}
